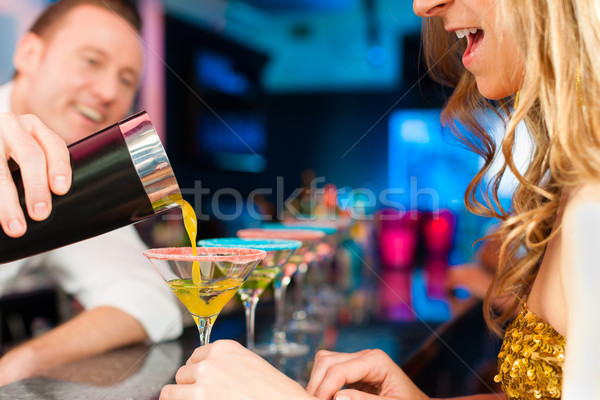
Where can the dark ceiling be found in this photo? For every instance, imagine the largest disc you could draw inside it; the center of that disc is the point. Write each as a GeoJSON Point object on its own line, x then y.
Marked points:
{"type": "Point", "coordinates": [302, 5]}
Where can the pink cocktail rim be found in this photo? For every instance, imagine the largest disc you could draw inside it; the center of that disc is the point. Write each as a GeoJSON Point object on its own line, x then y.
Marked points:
{"type": "Point", "coordinates": [228, 254]}
{"type": "Point", "coordinates": [293, 234]}
{"type": "Point", "coordinates": [338, 223]}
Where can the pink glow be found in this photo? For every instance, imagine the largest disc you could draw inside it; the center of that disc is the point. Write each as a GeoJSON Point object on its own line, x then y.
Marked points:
{"type": "Point", "coordinates": [293, 234]}
{"type": "Point", "coordinates": [398, 238]}
{"type": "Point", "coordinates": [152, 91]}
{"type": "Point", "coordinates": [438, 232]}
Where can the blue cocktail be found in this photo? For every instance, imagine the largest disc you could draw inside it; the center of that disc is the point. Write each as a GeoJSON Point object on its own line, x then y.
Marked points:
{"type": "Point", "coordinates": [308, 303]}
{"type": "Point", "coordinates": [280, 345]}
{"type": "Point", "coordinates": [278, 253]}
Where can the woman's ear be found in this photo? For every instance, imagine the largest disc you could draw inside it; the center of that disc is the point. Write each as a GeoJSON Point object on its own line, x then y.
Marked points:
{"type": "Point", "coordinates": [28, 53]}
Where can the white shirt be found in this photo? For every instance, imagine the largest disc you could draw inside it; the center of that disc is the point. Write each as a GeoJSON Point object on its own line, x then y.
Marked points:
{"type": "Point", "coordinates": [108, 270]}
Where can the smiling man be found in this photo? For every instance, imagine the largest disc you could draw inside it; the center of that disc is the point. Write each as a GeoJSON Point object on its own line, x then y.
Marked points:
{"type": "Point", "coordinates": [77, 71]}
{"type": "Point", "coordinates": [80, 74]}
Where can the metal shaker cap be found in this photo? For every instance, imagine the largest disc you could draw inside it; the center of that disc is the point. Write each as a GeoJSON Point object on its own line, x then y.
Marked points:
{"type": "Point", "coordinates": [151, 162]}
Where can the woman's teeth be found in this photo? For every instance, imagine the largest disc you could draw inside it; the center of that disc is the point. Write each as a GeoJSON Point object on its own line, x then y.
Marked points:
{"type": "Point", "coordinates": [461, 33]}
{"type": "Point", "coordinates": [89, 112]}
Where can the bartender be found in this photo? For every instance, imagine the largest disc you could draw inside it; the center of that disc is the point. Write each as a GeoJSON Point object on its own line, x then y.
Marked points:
{"type": "Point", "coordinates": [77, 71]}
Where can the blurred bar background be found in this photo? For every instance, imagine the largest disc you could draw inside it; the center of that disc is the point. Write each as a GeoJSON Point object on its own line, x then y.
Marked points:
{"type": "Point", "coordinates": [320, 109]}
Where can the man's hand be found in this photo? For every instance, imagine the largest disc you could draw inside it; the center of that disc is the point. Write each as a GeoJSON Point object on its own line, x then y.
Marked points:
{"type": "Point", "coordinates": [43, 158]}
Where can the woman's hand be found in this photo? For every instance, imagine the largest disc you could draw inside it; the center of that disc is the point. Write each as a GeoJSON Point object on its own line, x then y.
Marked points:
{"type": "Point", "coordinates": [366, 375]}
{"type": "Point", "coordinates": [225, 370]}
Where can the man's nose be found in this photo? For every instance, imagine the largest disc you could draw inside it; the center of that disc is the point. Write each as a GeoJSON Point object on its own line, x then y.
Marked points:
{"type": "Point", "coordinates": [106, 87]}
{"type": "Point", "coordinates": [429, 8]}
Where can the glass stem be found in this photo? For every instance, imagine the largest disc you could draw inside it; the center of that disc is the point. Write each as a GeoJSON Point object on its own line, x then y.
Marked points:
{"type": "Point", "coordinates": [205, 325]}
{"type": "Point", "coordinates": [299, 290]}
{"type": "Point", "coordinates": [250, 310]}
{"type": "Point", "coordinates": [315, 282]}
{"type": "Point", "coordinates": [280, 285]}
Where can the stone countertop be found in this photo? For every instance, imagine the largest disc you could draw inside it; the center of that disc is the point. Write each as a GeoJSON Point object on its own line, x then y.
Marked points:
{"type": "Point", "coordinates": [139, 372]}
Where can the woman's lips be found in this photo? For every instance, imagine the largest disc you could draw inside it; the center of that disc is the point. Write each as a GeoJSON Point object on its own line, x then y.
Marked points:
{"type": "Point", "coordinates": [474, 42]}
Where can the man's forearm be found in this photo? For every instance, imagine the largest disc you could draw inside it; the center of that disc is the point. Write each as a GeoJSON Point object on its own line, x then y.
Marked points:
{"type": "Point", "coordinates": [91, 332]}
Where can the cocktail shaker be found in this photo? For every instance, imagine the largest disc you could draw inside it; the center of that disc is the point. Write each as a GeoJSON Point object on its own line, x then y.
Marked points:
{"type": "Point", "coordinates": [121, 175]}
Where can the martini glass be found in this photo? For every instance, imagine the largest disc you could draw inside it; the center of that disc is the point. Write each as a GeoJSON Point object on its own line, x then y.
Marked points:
{"type": "Point", "coordinates": [312, 302]}
{"type": "Point", "coordinates": [278, 253]}
{"type": "Point", "coordinates": [309, 277]}
{"type": "Point", "coordinates": [280, 345]}
{"type": "Point", "coordinates": [205, 282]}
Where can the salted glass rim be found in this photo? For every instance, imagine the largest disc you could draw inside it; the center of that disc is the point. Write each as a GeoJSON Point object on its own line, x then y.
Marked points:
{"type": "Point", "coordinates": [229, 254]}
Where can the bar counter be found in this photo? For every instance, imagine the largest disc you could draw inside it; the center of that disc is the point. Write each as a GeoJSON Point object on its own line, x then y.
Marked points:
{"type": "Point", "coordinates": [139, 372]}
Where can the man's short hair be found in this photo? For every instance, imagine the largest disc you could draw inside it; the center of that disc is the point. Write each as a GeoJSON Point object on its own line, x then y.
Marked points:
{"type": "Point", "coordinates": [55, 12]}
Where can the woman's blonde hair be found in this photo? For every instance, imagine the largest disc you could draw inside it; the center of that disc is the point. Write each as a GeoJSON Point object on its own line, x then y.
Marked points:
{"type": "Point", "coordinates": [559, 103]}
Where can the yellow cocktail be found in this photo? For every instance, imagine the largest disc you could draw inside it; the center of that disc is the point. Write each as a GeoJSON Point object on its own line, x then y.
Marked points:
{"type": "Point", "coordinates": [204, 282]}
{"type": "Point", "coordinates": [204, 299]}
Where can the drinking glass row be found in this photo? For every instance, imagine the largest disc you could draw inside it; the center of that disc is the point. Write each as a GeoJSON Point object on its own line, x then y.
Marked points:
{"type": "Point", "coordinates": [248, 264]}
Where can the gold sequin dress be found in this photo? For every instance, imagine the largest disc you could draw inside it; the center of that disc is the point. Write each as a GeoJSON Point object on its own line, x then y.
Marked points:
{"type": "Point", "coordinates": [531, 359]}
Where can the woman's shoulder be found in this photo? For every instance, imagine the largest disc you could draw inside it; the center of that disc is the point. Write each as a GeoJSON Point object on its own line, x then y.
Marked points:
{"type": "Point", "coordinates": [580, 234]}
{"type": "Point", "coordinates": [582, 201]}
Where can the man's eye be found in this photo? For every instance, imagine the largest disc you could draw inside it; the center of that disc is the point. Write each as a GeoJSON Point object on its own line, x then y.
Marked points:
{"type": "Point", "coordinates": [91, 61]}
{"type": "Point", "coordinates": [127, 82]}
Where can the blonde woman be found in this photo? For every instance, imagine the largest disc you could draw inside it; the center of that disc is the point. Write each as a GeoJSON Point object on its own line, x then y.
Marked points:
{"type": "Point", "coordinates": [532, 61]}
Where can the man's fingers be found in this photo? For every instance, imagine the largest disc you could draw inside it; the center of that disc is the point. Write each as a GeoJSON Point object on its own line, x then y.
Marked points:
{"type": "Point", "coordinates": [45, 168]}
{"type": "Point", "coordinates": [57, 155]}
{"type": "Point", "coordinates": [32, 162]}
{"type": "Point", "coordinates": [12, 218]}
{"type": "Point", "coordinates": [20, 143]}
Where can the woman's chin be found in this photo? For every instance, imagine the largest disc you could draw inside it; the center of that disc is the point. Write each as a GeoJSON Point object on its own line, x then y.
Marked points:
{"type": "Point", "coordinates": [494, 91]}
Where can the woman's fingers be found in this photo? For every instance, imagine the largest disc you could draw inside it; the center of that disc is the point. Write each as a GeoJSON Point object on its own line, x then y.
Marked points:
{"type": "Point", "coordinates": [188, 374]}
{"type": "Point", "coordinates": [351, 394]}
{"type": "Point", "coordinates": [218, 349]}
{"type": "Point", "coordinates": [369, 367]}
{"type": "Point", "coordinates": [225, 370]}
{"type": "Point", "coordinates": [324, 359]}
{"type": "Point", "coordinates": [181, 392]}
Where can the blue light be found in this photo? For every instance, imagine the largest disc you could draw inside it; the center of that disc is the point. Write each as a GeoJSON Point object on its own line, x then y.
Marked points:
{"type": "Point", "coordinates": [328, 230]}
{"type": "Point", "coordinates": [240, 162]}
{"type": "Point", "coordinates": [217, 72]}
{"type": "Point", "coordinates": [376, 55]}
{"type": "Point", "coordinates": [260, 244]}
{"type": "Point", "coordinates": [232, 132]}
{"type": "Point", "coordinates": [428, 170]}
{"type": "Point", "coordinates": [428, 309]}
{"type": "Point", "coordinates": [299, 5]}
{"type": "Point", "coordinates": [431, 172]}
{"type": "Point", "coordinates": [414, 131]}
